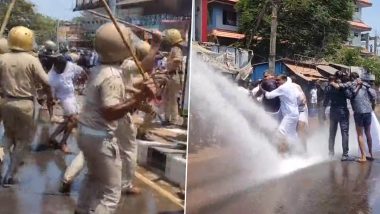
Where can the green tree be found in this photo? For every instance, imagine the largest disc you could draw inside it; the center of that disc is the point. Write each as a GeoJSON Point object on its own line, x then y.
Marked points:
{"type": "Point", "coordinates": [352, 57]}
{"type": "Point", "coordinates": [24, 14]}
{"type": "Point", "coordinates": [308, 27]}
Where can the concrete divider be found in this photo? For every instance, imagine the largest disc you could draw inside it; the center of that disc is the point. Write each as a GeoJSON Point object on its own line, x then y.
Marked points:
{"type": "Point", "coordinates": [166, 158]}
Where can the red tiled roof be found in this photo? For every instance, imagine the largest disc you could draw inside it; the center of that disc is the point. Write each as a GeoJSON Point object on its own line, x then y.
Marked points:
{"type": "Point", "coordinates": [227, 34]}
{"type": "Point", "coordinates": [366, 3]}
{"type": "Point", "coordinates": [360, 25]}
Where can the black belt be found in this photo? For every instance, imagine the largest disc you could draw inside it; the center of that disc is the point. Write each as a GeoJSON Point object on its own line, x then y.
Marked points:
{"type": "Point", "coordinates": [19, 98]}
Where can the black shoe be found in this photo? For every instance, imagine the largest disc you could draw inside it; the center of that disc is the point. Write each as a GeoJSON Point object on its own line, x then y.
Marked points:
{"type": "Point", "coordinates": [347, 158]}
{"type": "Point", "coordinates": [9, 181]}
{"type": "Point", "coordinates": [65, 188]}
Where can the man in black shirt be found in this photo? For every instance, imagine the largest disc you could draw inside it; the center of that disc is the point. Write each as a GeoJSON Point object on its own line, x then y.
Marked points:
{"type": "Point", "coordinates": [271, 106]}
{"type": "Point", "coordinates": [337, 98]}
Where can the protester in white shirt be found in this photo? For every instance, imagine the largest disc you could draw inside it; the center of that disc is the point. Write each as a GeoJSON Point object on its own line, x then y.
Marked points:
{"type": "Point", "coordinates": [303, 120]}
{"type": "Point", "coordinates": [289, 98]}
{"type": "Point", "coordinates": [61, 80]}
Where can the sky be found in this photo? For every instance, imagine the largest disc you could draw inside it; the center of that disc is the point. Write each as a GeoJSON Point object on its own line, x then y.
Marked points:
{"type": "Point", "coordinates": [59, 9]}
{"type": "Point", "coordinates": [371, 16]}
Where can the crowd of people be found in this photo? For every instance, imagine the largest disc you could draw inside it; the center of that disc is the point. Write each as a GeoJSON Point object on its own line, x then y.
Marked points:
{"type": "Point", "coordinates": [337, 98]}
{"type": "Point", "coordinates": [114, 91]}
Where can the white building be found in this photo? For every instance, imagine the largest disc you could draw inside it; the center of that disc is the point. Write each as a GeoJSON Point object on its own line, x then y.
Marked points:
{"type": "Point", "coordinates": [357, 25]}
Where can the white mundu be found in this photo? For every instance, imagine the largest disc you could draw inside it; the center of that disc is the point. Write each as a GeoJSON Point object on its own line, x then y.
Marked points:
{"type": "Point", "coordinates": [289, 109]}
{"type": "Point", "coordinates": [63, 87]}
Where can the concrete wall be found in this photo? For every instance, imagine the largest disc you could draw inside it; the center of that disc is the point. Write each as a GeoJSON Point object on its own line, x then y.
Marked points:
{"type": "Point", "coordinates": [197, 21]}
{"type": "Point", "coordinates": [217, 17]}
{"type": "Point", "coordinates": [355, 38]}
{"type": "Point", "coordinates": [240, 56]}
{"type": "Point", "coordinates": [358, 15]}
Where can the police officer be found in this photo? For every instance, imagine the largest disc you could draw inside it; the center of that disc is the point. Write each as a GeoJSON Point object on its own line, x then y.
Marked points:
{"type": "Point", "coordinates": [3, 49]}
{"type": "Point", "coordinates": [104, 105]}
{"type": "Point", "coordinates": [74, 55]}
{"type": "Point", "coordinates": [46, 57]}
{"type": "Point", "coordinates": [174, 69]}
{"type": "Point", "coordinates": [4, 46]}
{"type": "Point", "coordinates": [126, 131]}
{"type": "Point", "coordinates": [20, 71]}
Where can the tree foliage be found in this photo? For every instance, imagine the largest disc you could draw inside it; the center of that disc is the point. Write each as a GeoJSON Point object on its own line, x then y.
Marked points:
{"type": "Point", "coordinates": [307, 27]}
{"type": "Point", "coordinates": [24, 14]}
{"type": "Point", "coordinates": [352, 57]}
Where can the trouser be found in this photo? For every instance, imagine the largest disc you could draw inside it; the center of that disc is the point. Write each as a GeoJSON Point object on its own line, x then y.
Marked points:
{"type": "Point", "coordinates": [101, 189]}
{"type": "Point", "coordinates": [19, 129]}
{"type": "Point", "coordinates": [341, 116]}
{"type": "Point", "coordinates": [126, 135]}
{"type": "Point", "coordinates": [321, 114]}
{"type": "Point", "coordinates": [171, 109]}
{"type": "Point", "coordinates": [75, 167]}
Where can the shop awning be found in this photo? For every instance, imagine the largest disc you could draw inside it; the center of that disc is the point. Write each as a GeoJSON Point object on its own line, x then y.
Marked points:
{"type": "Point", "coordinates": [304, 72]}
{"type": "Point", "coordinates": [227, 34]}
{"type": "Point", "coordinates": [328, 69]}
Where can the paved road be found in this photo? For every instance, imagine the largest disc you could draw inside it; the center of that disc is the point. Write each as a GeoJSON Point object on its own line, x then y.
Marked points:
{"type": "Point", "coordinates": [37, 191]}
{"type": "Point", "coordinates": [228, 178]}
{"type": "Point", "coordinates": [332, 187]}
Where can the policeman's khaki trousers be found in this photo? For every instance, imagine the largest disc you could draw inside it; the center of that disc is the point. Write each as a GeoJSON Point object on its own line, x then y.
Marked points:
{"type": "Point", "coordinates": [101, 189]}
{"type": "Point", "coordinates": [126, 136]}
{"type": "Point", "coordinates": [170, 100]}
{"type": "Point", "coordinates": [19, 129]}
{"type": "Point", "coordinates": [126, 139]}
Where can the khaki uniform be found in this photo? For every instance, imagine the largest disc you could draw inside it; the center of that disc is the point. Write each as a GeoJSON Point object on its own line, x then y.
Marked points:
{"type": "Point", "coordinates": [126, 135]}
{"type": "Point", "coordinates": [19, 74]}
{"type": "Point", "coordinates": [173, 85]}
{"type": "Point", "coordinates": [101, 189]}
{"type": "Point", "coordinates": [130, 71]}
{"type": "Point", "coordinates": [126, 132]}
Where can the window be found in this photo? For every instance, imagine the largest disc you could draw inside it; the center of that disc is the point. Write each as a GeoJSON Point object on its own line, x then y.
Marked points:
{"type": "Point", "coordinates": [357, 9]}
{"type": "Point", "coordinates": [229, 18]}
{"type": "Point", "coordinates": [356, 34]}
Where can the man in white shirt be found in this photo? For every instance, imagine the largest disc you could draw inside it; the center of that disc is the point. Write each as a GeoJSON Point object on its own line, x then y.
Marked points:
{"type": "Point", "coordinates": [303, 119]}
{"type": "Point", "coordinates": [314, 96]}
{"type": "Point", "coordinates": [61, 80]}
{"type": "Point", "coordinates": [289, 98]}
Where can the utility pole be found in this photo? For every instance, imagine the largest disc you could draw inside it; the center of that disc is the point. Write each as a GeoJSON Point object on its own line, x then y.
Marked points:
{"type": "Point", "coordinates": [6, 18]}
{"type": "Point", "coordinates": [375, 45]}
{"type": "Point", "coordinates": [58, 22]}
{"type": "Point", "coordinates": [273, 36]}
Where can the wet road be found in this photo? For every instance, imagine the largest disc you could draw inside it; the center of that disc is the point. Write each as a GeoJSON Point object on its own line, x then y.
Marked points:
{"type": "Point", "coordinates": [224, 178]}
{"type": "Point", "coordinates": [332, 187]}
{"type": "Point", "coordinates": [40, 177]}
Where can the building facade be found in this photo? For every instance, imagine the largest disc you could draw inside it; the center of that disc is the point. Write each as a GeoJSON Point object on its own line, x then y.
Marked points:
{"type": "Point", "coordinates": [145, 13]}
{"type": "Point", "coordinates": [70, 34]}
{"type": "Point", "coordinates": [216, 21]}
{"type": "Point", "coordinates": [358, 27]}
